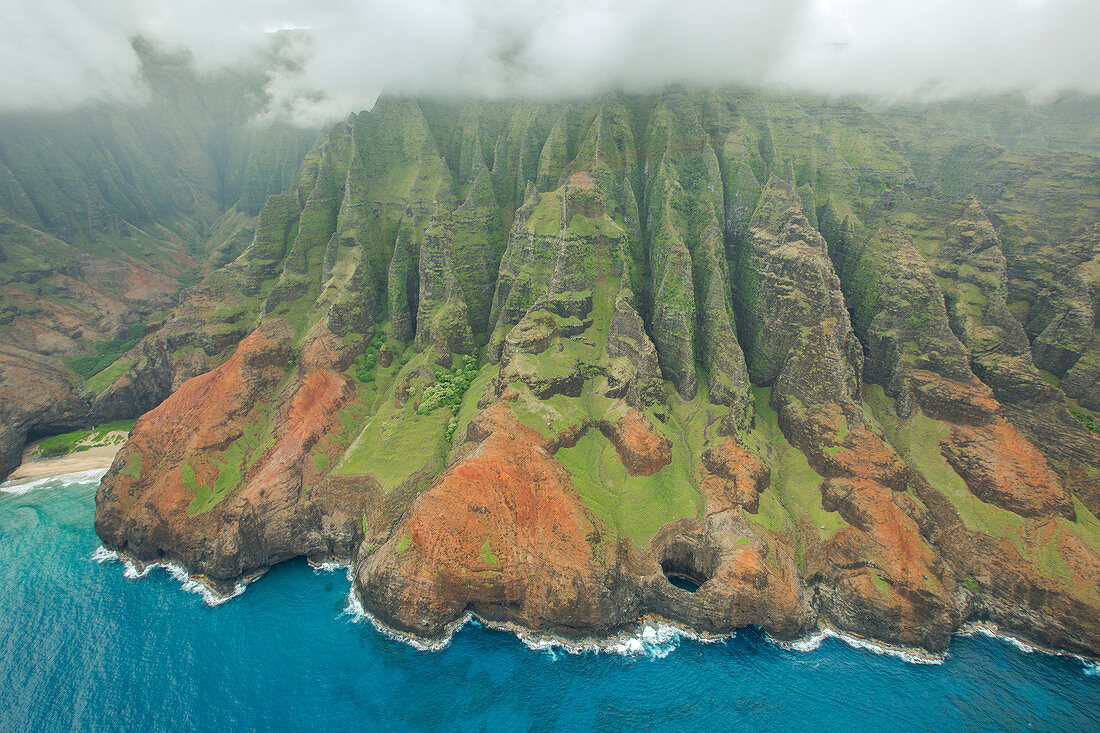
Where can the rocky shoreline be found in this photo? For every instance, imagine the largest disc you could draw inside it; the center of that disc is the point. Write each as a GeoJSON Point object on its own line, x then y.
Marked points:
{"type": "Point", "coordinates": [640, 342]}
{"type": "Point", "coordinates": [648, 630]}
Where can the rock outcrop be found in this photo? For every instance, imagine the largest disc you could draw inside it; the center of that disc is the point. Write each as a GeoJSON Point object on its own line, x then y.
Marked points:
{"type": "Point", "coordinates": [536, 362]}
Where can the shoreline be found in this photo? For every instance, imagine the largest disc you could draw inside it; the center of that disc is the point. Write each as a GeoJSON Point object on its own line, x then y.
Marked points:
{"type": "Point", "coordinates": [659, 636]}
{"type": "Point", "coordinates": [93, 459]}
{"type": "Point", "coordinates": [651, 634]}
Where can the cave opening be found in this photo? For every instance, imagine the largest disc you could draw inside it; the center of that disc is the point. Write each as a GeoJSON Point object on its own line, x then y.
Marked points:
{"type": "Point", "coordinates": [682, 575]}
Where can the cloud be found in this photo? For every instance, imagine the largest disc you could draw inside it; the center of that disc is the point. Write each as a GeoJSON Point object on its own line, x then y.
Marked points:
{"type": "Point", "coordinates": [345, 52]}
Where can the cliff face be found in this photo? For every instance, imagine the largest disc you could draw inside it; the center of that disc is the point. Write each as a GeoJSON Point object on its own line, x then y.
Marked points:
{"type": "Point", "coordinates": [533, 361]}
{"type": "Point", "coordinates": [106, 214]}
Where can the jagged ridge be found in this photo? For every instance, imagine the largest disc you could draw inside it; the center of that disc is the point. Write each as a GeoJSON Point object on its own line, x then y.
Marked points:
{"type": "Point", "coordinates": [534, 358]}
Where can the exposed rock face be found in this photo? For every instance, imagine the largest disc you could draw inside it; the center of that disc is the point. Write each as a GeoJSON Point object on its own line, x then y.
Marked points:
{"type": "Point", "coordinates": [735, 477]}
{"type": "Point", "coordinates": [1001, 356]}
{"type": "Point", "coordinates": [1004, 469]}
{"type": "Point", "coordinates": [692, 309]}
{"type": "Point", "coordinates": [105, 213]}
{"type": "Point", "coordinates": [799, 334]}
{"type": "Point", "coordinates": [501, 533]}
{"type": "Point", "coordinates": [512, 361]}
{"type": "Point", "coordinates": [641, 450]}
{"type": "Point", "coordinates": [150, 508]}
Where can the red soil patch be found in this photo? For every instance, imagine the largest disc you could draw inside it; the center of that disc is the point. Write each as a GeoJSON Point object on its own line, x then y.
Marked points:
{"type": "Point", "coordinates": [201, 418]}
{"type": "Point", "coordinates": [581, 179]}
{"type": "Point", "coordinates": [502, 528]}
{"type": "Point", "coordinates": [733, 477]}
{"type": "Point", "coordinates": [640, 448]}
{"type": "Point", "coordinates": [1000, 466]}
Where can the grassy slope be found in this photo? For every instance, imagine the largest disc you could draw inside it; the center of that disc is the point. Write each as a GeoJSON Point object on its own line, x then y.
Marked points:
{"type": "Point", "coordinates": [918, 438]}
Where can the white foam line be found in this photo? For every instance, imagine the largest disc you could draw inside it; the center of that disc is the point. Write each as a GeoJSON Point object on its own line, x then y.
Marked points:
{"type": "Point", "coordinates": [654, 638]}
{"type": "Point", "coordinates": [18, 486]}
{"type": "Point", "coordinates": [330, 566]}
{"type": "Point", "coordinates": [358, 614]}
{"type": "Point", "coordinates": [134, 570]}
{"type": "Point", "coordinates": [102, 554]}
{"type": "Point", "coordinates": [907, 654]}
{"type": "Point", "coordinates": [991, 630]}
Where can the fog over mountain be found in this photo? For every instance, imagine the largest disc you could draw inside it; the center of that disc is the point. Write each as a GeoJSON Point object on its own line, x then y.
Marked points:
{"type": "Point", "coordinates": [337, 56]}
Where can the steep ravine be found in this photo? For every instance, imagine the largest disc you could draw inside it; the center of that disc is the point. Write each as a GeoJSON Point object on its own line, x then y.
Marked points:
{"type": "Point", "coordinates": [508, 359]}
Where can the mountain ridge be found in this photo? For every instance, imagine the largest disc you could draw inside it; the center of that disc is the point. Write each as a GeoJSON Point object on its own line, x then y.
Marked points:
{"type": "Point", "coordinates": [530, 360]}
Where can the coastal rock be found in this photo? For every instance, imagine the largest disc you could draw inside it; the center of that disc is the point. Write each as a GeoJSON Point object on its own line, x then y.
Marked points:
{"type": "Point", "coordinates": [720, 356]}
{"type": "Point", "coordinates": [504, 534]}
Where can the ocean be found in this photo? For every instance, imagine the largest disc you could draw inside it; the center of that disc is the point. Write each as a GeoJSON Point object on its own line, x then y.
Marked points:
{"type": "Point", "coordinates": [86, 645]}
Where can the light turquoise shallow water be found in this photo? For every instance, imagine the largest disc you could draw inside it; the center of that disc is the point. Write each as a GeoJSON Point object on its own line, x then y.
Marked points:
{"type": "Point", "coordinates": [84, 648]}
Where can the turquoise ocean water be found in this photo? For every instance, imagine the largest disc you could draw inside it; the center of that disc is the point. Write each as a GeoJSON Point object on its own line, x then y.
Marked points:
{"type": "Point", "coordinates": [83, 647]}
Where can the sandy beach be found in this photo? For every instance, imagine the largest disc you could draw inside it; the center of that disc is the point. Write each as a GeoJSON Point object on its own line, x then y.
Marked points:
{"type": "Point", "coordinates": [93, 458]}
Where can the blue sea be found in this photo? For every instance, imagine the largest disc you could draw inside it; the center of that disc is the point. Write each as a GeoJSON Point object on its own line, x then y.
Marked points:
{"type": "Point", "coordinates": [84, 647]}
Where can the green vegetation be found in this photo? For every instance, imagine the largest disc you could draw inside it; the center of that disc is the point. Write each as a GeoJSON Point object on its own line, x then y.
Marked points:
{"type": "Point", "coordinates": [132, 469]}
{"type": "Point", "coordinates": [449, 388]}
{"type": "Point", "coordinates": [82, 440]}
{"type": "Point", "coordinates": [366, 362]}
{"type": "Point", "coordinates": [918, 439]}
{"type": "Point", "coordinates": [1084, 416]}
{"type": "Point", "coordinates": [487, 555]}
{"type": "Point", "coordinates": [635, 506]}
{"type": "Point", "coordinates": [795, 488]}
{"type": "Point", "coordinates": [257, 437]}
{"type": "Point", "coordinates": [880, 584]}
{"type": "Point", "coordinates": [98, 383]}
{"type": "Point", "coordinates": [106, 352]}
{"type": "Point", "coordinates": [396, 443]}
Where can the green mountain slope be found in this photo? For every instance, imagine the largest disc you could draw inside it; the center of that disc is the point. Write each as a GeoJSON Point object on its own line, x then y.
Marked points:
{"type": "Point", "coordinates": [532, 360]}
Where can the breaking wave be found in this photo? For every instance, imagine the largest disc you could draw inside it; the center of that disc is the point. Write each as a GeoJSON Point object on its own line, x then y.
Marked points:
{"type": "Point", "coordinates": [22, 486]}
{"type": "Point", "coordinates": [1091, 667]}
{"type": "Point", "coordinates": [906, 654]}
{"type": "Point", "coordinates": [653, 638]}
{"type": "Point", "coordinates": [134, 570]}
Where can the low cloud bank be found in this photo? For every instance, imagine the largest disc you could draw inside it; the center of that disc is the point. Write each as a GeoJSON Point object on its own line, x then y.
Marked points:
{"type": "Point", "coordinates": [337, 55]}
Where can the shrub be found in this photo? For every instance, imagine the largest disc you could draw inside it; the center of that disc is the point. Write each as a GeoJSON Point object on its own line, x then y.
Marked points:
{"type": "Point", "coordinates": [1085, 418]}
{"type": "Point", "coordinates": [368, 360]}
{"type": "Point", "coordinates": [106, 352]}
{"type": "Point", "coordinates": [449, 388]}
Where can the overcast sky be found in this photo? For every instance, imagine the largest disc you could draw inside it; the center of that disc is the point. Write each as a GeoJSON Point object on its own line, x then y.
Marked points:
{"type": "Point", "coordinates": [67, 52]}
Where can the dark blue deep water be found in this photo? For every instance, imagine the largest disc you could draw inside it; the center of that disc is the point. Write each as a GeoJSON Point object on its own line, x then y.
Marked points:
{"type": "Point", "coordinates": [84, 648]}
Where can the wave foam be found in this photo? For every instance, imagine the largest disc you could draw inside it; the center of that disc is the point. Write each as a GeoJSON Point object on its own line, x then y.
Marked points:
{"type": "Point", "coordinates": [102, 555]}
{"type": "Point", "coordinates": [653, 639]}
{"type": "Point", "coordinates": [358, 614]}
{"type": "Point", "coordinates": [22, 486]}
{"type": "Point", "coordinates": [991, 631]}
{"type": "Point", "coordinates": [332, 566]}
{"type": "Point", "coordinates": [1091, 667]}
{"type": "Point", "coordinates": [134, 570]}
{"type": "Point", "coordinates": [813, 642]}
